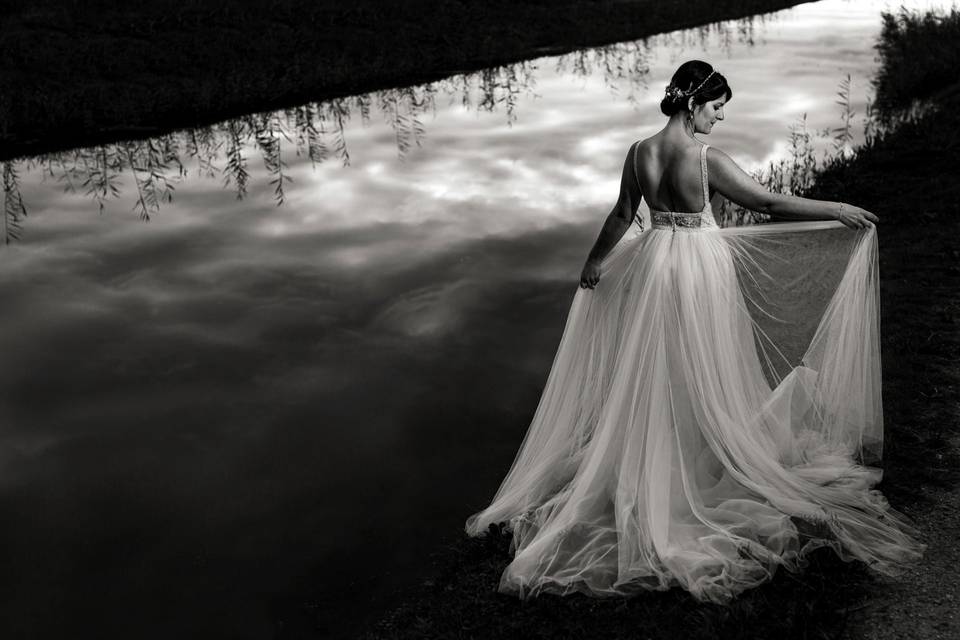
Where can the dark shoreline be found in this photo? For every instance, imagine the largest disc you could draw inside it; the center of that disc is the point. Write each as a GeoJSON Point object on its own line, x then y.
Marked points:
{"type": "Point", "coordinates": [79, 74]}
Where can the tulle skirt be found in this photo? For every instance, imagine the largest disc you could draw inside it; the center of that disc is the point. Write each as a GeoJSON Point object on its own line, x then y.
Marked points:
{"type": "Point", "coordinates": [711, 414]}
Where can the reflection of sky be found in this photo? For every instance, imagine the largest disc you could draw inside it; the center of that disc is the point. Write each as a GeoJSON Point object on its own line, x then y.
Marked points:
{"type": "Point", "coordinates": [238, 400]}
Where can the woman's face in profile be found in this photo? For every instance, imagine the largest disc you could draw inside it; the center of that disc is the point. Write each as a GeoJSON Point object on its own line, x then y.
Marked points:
{"type": "Point", "coordinates": [708, 113]}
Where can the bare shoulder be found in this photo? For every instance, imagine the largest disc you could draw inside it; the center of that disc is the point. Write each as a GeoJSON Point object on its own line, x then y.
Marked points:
{"type": "Point", "coordinates": [719, 162]}
{"type": "Point", "coordinates": [731, 181]}
{"type": "Point", "coordinates": [642, 152]}
{"type": "Point", "coordinates": [646, 142]}
{"type": "Point", "coordinates": [717, 155]}
{"type": "Point", "coordinates": [642, 147]}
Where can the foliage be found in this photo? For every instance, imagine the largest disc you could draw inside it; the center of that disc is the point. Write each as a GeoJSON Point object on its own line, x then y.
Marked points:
{"type": "Point", "coordinates": [13, 208]}
{"type": "Point", "coordinates": [796, 173]}
{"type": "Point", "coordinates": [919, 57]}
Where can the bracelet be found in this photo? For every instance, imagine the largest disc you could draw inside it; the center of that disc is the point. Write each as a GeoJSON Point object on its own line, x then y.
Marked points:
{"type": "Point", "coordinates": [840, 213]}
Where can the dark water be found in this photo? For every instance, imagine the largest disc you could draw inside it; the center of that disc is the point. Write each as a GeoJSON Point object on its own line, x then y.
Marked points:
{"type": "Point", "coordinates": [286, 401]}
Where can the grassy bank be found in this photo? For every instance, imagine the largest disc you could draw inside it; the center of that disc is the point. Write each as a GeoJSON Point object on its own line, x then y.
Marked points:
{"type": "Point", "coordinates": [907, 175]}
{"type": "Point", "coordinates": [83, 73]}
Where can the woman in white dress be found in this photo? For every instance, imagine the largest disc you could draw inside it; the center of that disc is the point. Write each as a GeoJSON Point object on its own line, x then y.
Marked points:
{"type": "Point", "coordinates": [715, 398]}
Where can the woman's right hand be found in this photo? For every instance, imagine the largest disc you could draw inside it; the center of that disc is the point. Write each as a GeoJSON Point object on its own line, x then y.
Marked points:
{"type": "Point", "coordinates": [590, 275]}
{"type": "Point", "coordinates": [855, 217]}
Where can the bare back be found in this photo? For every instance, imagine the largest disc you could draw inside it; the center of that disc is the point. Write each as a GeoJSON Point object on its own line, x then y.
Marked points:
{"type": "Point", "coordinates": [670, 174]}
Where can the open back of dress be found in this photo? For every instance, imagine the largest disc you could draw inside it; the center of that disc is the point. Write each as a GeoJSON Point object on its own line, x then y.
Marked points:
{"type": "Point", "coordinates": [708, 416]}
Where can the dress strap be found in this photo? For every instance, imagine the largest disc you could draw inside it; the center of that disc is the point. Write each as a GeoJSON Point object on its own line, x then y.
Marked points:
{"type": "Point", "coordinates": [636, 176]}
{"type": "Point", "coordinates": [703, 175]}
{"type": "Point", "coordinates": [636, 173]}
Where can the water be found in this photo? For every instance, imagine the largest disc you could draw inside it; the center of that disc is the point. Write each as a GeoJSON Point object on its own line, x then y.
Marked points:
{"type": "Point", "coordinates": [243, 405]}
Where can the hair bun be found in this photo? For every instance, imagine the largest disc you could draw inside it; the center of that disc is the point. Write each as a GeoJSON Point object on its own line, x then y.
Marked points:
{"type": "Point", "coordinates": [670, 106]}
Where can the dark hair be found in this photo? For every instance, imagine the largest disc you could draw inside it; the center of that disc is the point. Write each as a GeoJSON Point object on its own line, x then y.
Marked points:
{"type": "Point", "coordinates": [691, 75]}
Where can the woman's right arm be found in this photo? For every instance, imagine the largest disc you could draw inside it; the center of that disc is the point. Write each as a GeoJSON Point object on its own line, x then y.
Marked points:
{"type": "Point", "coordinates": [618, 221]}
{"type": "Point", "coordinates": [736, 185]}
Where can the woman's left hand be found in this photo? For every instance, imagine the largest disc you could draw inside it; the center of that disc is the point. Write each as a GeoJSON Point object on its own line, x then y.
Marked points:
{"type": "Point", "coordinates": [856, 218]}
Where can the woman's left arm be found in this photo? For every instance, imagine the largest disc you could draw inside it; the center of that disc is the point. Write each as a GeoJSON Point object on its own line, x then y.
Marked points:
{"type": "Point", "coordinates": [617, 222]}
{"type": "Point", "coordinates": [736, 185]}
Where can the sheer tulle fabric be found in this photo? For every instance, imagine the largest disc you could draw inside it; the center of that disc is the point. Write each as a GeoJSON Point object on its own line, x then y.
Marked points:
{"type": "Point", "coordinates": [709, 416]}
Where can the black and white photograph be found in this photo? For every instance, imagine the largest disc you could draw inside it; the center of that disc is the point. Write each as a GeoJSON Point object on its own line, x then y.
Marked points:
{"type": "Point", "coordinates": [480, 320]}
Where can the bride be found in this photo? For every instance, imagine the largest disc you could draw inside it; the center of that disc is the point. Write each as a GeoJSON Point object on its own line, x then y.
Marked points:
{"type": "Point", "coordinates": [714, 402]}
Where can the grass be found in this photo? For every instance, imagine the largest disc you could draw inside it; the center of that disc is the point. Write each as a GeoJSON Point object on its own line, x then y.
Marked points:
{"type": "Point", "coordinates": [461, 602]}
{"type": "Point", "coordinates": [81, 73]}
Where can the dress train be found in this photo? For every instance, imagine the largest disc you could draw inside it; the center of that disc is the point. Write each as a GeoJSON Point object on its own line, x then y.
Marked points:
{"type": "Point", "coordinates": [710, 415]}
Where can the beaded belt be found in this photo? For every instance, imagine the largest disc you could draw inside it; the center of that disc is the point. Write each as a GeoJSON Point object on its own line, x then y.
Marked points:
{"type": "Point", "coordinates": [674, 220]}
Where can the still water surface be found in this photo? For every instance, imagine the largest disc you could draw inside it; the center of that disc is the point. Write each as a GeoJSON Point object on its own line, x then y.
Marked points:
{"type": "Point", "coordinates": [240, 405]}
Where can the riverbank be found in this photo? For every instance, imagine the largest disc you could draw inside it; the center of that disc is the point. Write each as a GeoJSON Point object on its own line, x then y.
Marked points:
{"type": "Point", "coordinates": [85, 73]}
{"type": "Point", "coordinates": [908, 177]}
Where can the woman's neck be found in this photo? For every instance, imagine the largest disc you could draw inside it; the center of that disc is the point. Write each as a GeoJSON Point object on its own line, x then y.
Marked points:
{"type": "Point", "coordinates": [678, 127]}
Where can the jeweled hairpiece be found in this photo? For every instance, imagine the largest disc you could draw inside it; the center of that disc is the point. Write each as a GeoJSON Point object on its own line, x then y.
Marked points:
{"type": "Point", "coordinates": [675, 93]}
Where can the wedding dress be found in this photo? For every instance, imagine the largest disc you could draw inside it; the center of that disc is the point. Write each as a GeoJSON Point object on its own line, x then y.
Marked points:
{"type": "Point", "coordinates": [709, 417]}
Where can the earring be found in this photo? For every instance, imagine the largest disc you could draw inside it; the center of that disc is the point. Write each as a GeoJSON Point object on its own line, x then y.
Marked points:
{"type": "Point", "coordinates": [690, 119]}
